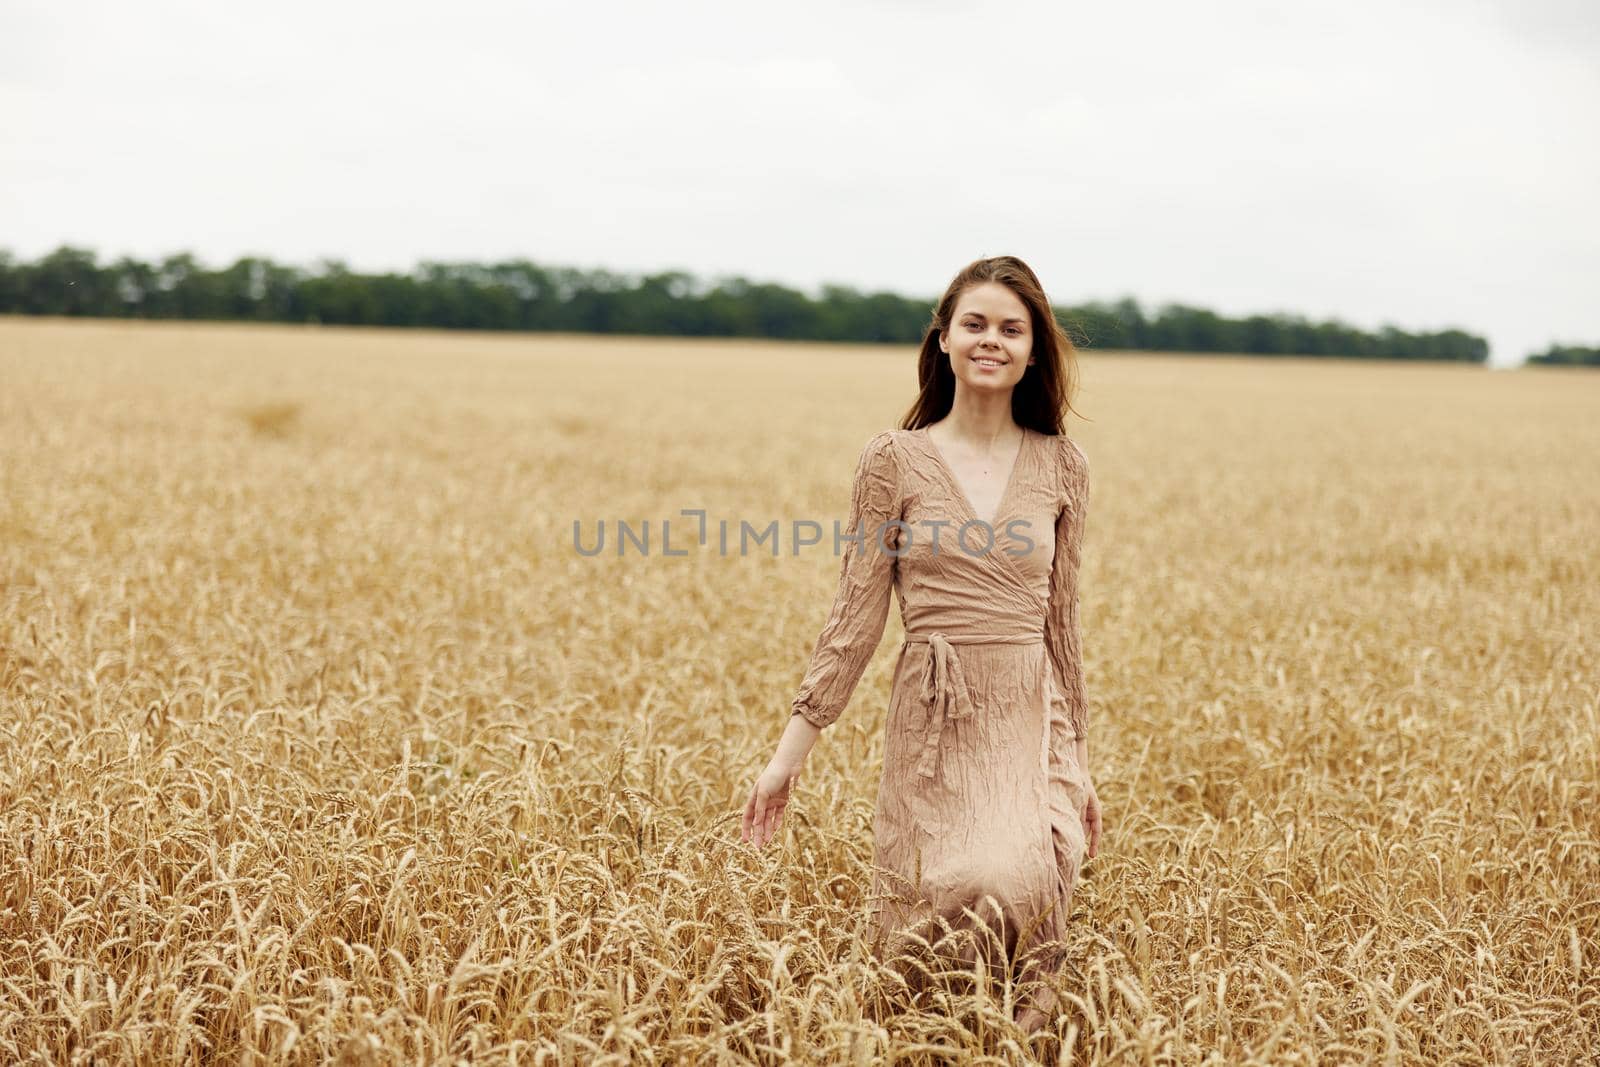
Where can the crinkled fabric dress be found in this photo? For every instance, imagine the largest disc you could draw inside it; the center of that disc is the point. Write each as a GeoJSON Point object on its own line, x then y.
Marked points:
{"type": "Point", "coordinates": [978, 827]}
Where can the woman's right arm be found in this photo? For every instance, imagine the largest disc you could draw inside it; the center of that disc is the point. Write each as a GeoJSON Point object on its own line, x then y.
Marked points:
{"type": "Point", "coordinates": [849, 636]}
{"type": "Point", "coordinates": [866, 578]}
{"type": "Point", "coordinates": [769, 797]}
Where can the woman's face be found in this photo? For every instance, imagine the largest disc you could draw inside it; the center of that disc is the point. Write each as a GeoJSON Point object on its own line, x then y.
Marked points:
{"type": "Point", "coordinates": [990, 340]}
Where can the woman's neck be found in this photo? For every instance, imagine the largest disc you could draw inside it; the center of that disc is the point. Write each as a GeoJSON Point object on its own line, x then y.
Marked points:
{"type": "Point", "coordinates": [982, 420]}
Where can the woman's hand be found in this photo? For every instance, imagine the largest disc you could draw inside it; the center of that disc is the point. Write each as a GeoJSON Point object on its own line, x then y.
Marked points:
{"type": "Point", "coordinates": [1091, 817]}
{"type": "Point", "coordinates": [763, 814]}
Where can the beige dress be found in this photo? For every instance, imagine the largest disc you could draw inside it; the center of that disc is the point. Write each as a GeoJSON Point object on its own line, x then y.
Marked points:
{"type": "Point", "coordinates": [979, 813]}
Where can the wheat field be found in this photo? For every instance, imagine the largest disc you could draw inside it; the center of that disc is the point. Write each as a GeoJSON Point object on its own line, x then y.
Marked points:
{"type": "Point", "coordinates": [322, 742]}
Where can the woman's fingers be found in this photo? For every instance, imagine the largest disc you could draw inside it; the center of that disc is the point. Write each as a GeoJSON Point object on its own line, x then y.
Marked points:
{"type": "Point", "coordinates": [770, 812]}
{"type": "Point", "coordinates": [762, 816]}
{"type": "Point", "coordinates": [764, 821]}
{"type": "Point", "coordinates": [751, 814]}
{"type": "Point", "coordinates": [771, 817]}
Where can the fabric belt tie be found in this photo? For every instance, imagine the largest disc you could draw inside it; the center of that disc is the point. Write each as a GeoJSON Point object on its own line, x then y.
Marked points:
{"type": "Point", "coordinates": [944, 686]}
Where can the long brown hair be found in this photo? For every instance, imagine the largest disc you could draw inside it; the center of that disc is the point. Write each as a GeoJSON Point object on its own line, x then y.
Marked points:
{"type": "Point", "coordinates": [1043, 398]}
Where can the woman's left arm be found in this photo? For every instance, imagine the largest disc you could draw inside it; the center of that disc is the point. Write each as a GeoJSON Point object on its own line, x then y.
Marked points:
{"type": "Point", "coordinates": [1069, 712]}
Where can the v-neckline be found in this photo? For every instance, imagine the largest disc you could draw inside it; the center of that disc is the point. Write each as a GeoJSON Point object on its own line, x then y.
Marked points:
{"type": "Point", "coordinates": [950, 475]}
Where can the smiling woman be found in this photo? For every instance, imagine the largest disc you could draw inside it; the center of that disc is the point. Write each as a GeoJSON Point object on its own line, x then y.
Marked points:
{"type": "Point", "coordinates": [985, 809]}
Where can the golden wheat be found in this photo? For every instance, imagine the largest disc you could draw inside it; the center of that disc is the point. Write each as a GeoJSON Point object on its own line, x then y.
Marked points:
{"type": "Point", "coordinates": [322, 742]}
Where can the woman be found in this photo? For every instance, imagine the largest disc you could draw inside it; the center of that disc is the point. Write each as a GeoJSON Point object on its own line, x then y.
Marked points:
{"type": "Point", "coordinates": [973, 514]}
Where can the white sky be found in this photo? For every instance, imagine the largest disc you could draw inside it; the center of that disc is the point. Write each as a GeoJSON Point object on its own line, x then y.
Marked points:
{"type": "Point", "coordinates": [1429, 164]}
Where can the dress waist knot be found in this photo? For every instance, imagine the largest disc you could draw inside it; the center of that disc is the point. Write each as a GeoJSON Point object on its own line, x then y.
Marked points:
{"type": "Point", "coordinates": [944, 687]}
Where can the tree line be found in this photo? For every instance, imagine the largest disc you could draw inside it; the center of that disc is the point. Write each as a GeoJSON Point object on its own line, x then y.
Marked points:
{"type": "Point", "coordinates": [1567, 355]}
{"type": "Point", "coordinates": [522, 295]}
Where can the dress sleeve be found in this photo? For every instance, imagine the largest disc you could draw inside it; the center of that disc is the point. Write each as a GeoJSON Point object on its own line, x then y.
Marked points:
{"type": "Point", "coordinates": [1069, 718]}
{"type": "Point", "coordinates": [866, 578]}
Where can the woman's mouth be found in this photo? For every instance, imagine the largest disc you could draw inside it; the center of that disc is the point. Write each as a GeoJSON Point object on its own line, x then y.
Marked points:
{"type": "Point", "coordinates": [986, 362]}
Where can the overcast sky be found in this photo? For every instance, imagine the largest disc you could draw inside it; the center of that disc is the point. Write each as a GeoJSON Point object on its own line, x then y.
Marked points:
{"type": "Point", "coordinates": [1427, 164]}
